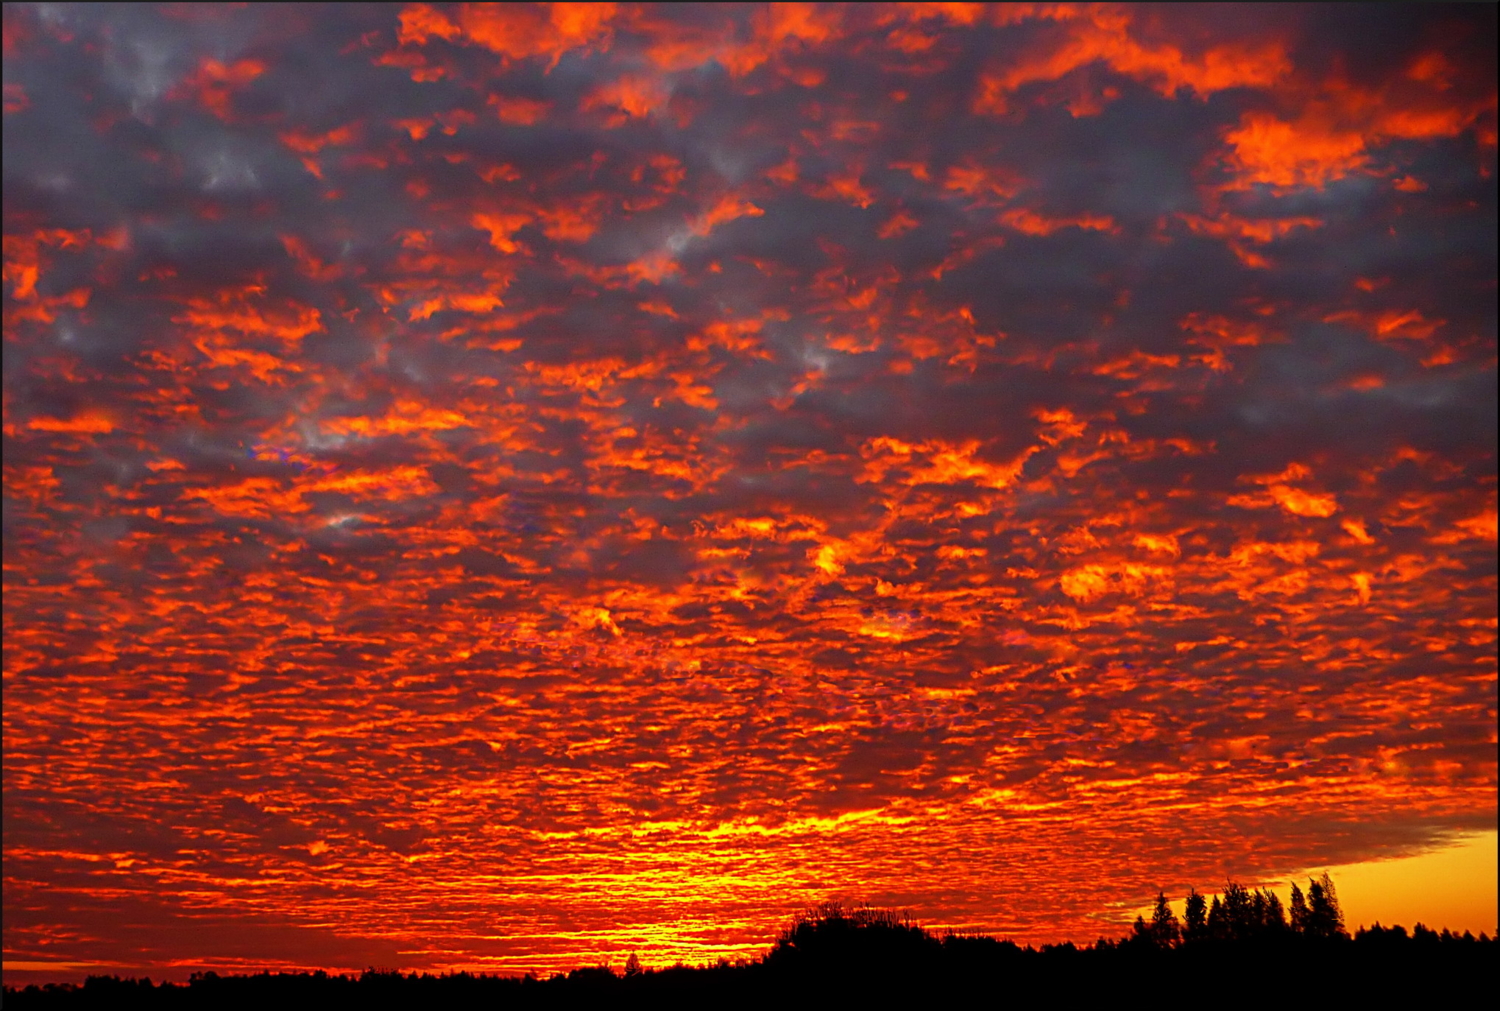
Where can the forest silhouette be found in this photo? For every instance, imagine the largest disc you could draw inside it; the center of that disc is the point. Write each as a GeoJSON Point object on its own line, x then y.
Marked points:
{"type": "Point", "coordinates": [1241, 948]}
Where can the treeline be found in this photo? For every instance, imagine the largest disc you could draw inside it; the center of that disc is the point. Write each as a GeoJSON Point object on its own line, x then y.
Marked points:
{"type": "Point", "coordinates": [1245, 914]}
{"type": "Point", "coordinates": [1235, 946]}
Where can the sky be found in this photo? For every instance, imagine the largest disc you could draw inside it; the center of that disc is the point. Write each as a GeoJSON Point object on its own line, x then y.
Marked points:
{"type": "Point", "coordinates": [502, 488]}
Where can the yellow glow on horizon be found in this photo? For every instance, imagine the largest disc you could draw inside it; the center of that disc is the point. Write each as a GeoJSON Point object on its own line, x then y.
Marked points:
{"type": "Point", "coordinates": [1453, 887]}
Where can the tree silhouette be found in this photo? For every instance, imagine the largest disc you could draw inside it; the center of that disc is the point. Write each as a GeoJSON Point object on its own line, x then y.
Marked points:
{"type": "Point", "coordinates": [1141, 933]}
{"type": "Point", "coordinates": [1260, 912]}
{"type": "Point", "coordinates": [1274, 917]}
{"type": "Point", "coordinates": [1325, 917]}
{"type": "Point", "coordinates": [1239, 912]}
{"type": "Point", "coordinates": [1300, 913]}
{"type": "Point", "coordinates": [1165, 930]}
{"type": "Point", "coordinates": [1242, 914]}
{"type": "Point", "coordinates": [1218, 923]}
{"type": "Point", "coordinates": [834, 955]}
{"type": "Point", "coordinates": [1195, 917]}
{"type": "Point", "coordinates": [832, 936]}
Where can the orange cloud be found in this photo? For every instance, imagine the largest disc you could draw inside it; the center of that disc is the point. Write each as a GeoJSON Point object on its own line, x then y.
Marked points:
{"type": "Point", "coordinates": [1390, 323]}
{"type": "Point", "coordinates": [1106, 36]}
{"type": "Point", "coordinates": [85, 424]}
{"type": "Point", "coordinates": [1031, 223]}
{"type": "Point", "coordinates": [1089, 583]}
{"type": "Point", "coordinates": [728, 208]}
{"type": "Point", "coordinates": [214, 84]}
{"type": "Point", "coordinates": [665, 449]}
{"type": "Point", "coordinates": [1240, 233]}
{"type": "Point", "coordinates": [1336, 125]}
{"type": "Point", "coordinates": [1279, 491]}
{"type": "Point", "coordinates": [248, 312]}
{"type": "Point", "coordinates": [519, 111]}
{"type": "Point", "coordinates": [521, 31]}
{"type": "Point", "coordinates": [1264, 149]}
{"type": "Point", "coordinates": [635, 97]}
{"type": "Point", "coordinates": [501, 227]}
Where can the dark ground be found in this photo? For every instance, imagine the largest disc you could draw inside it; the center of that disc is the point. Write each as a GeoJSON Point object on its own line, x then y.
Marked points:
{"type": "Point", "coordinates": [879, 960]}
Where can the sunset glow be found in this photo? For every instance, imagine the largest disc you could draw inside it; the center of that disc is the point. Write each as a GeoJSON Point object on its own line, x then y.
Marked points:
{"type": "Point", "coordinates": [504, 487]}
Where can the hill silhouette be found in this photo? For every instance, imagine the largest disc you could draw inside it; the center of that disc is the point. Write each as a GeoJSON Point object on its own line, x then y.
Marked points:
{"type": "Point", "coordinates": [1242, 949]}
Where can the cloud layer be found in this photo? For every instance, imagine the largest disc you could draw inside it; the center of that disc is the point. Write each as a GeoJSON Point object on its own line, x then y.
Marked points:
{"type": "Point", "coordinates": [506, 486]}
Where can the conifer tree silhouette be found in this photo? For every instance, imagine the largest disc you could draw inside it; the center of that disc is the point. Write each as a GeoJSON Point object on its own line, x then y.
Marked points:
{"type": "Point", "coordinates": [1195, 917]}
{"type": "Point", "coordinates": [1335, 911]}
{"type": "Point", "coordinates": [1218, 924]}
{"type": "Point", "coordinates": [1300, 911]}
{"type": "Point", "coordinates": [1325, 918]}
{"type": "Point", "coordinates": [1165, 930]}
{"type": "Point", "coordinates": [1260, 914]}
{"type": "Point", "coordinates": [1239, 912]}
{"type": "Point", "coordinates": [1274, 921]}
{"type": "Point", "coordinates": [1141, 933]}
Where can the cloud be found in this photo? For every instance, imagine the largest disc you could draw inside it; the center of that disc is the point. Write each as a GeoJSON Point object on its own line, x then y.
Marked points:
{"type": "Point", "coordinates": [606, 477]}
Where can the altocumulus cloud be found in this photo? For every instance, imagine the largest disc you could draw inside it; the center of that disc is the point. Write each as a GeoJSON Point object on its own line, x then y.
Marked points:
{"type": "Point", "coordinates": [506, 486]}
